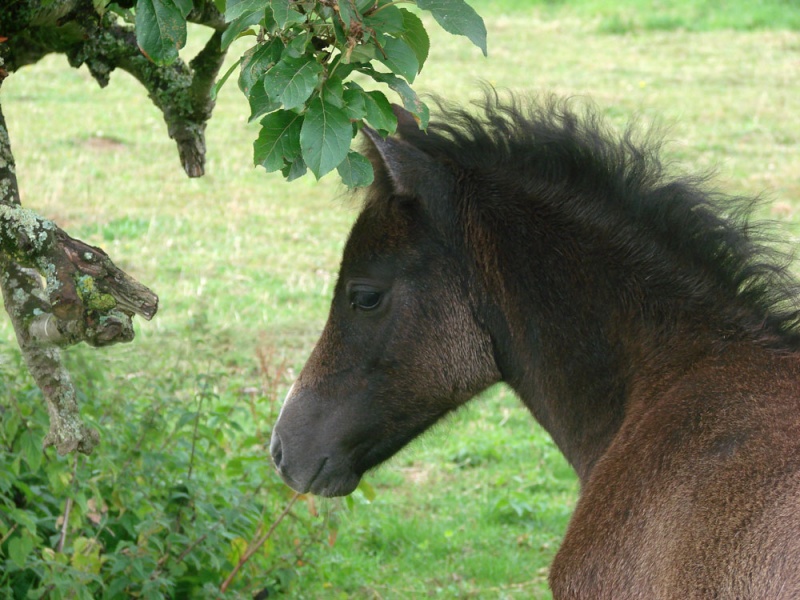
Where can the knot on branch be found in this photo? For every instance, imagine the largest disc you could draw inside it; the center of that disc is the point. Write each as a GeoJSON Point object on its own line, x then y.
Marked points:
{"type": "Point", "coordinates": [86, 297]}
{"type": "Point", "coordinates": [23, 295]}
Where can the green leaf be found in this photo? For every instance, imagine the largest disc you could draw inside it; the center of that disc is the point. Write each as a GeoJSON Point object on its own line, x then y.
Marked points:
{"type": "Point", "coordinates": [98, 5]}
{"type": "Point", "coordinates": [388, 19]}
{"type": "Point", "coordinates": [409, 97]}
{"type": "Point", "coordinates": [86, 555]}
{"type": "Point", "coordinates": [334, 90]}
{"type": "Point", "coordinates": [459, 18]}
{"type": "Point", "coordinates": [379, 112]}
{"type": "Point", "coordinates": [297, 47]}
{"type": "Point", "coordinates": [294, 171]}
{"type": "Point", "coordinates": [354, 102]}
{"type": "Point", "coordinates": [160, 30]}
{"type": "Point", "coordinates": [415, 36]}
{"type": "Point", "coordinates": [284, 14]}
{"type": "Point", "coordinates": [31, 448]}
{"type": "Point", "coordinates": [185, 6]}
{"type": "Point", "coordinates": [236, 8]}
{"type": "Point", "coordinates": [24, 518]}
{"type": "Point", "coordinates": [257, 61]}
{"type": "Point", "coordinates": [363, 53]}
{"type": "Point", "coordinates": [365, 488]}
{"type": "Point", "coordinates": [399, 57]}
{"type": "Point", "coordinates": [260, 102]}
{"type": "Point", "coordinates": [293, 80]}
{"type": "Point", "coordinates": [348, 12]}
{"type": "Point", "coordinates": [239, 25]}
{"type": "Point", "coordinates": [278, 141]}
{"type": "Point", "coordinates": [186, 417]}
{"type": "Point", "coordinates": [19, 548]}
{"type": "Point", "coordinates": [355, 170]}
{"type": "Point", "coordinates": [11, 423]}
{"type": "Point", "coordinates": [325, 136]}
{"type": "Point", "coordinates": [220, 82]}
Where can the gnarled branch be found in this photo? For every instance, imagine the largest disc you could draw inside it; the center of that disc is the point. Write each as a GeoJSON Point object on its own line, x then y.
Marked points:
{"type": "Point", "coordinates": [22, 291]}
{"type": "Point", "coordinates": [59, 291]}
{"type": "Point", "coordinates": [103, 43]}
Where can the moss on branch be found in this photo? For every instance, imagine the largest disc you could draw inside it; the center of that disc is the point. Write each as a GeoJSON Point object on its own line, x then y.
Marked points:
{"type": "Point", "coordinates": [85, 297]}
{"type": "Point", "coordinates": [103, 42]}
{"type": "Point", "coordinates": [82, 282]}
{"type": "Point", "coordinates": [58, 290]}
{"type": "Point", "coordinates": [23, 297]}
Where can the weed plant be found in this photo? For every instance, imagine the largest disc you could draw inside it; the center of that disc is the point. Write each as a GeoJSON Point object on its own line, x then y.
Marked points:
{"type": "Point", "coordinates": [181, 489]}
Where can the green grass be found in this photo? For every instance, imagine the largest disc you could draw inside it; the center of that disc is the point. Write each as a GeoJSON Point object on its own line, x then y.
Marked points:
{"type": "Point", "coordinates": [244, 263]}
{"type": "Point", "coordinates": [632, 16]}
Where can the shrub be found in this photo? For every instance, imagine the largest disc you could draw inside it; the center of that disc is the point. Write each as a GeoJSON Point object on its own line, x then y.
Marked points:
{"type": "Point", "coordinates": [179, 501]}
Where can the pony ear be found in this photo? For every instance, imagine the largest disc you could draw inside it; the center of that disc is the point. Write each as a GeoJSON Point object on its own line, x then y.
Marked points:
{"type": "Point", "coordinates": [411, 171]}
{"type": "Point", "coordinates": [406, 122]}
{"type": "Point", "coordinates": [398, 159]}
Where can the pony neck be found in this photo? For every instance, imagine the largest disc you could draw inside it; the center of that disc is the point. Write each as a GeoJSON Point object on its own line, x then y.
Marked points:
{"type": "Point", "coordinates": [580, 387]}
{"type": "Point", "coordinates": [582, 340]}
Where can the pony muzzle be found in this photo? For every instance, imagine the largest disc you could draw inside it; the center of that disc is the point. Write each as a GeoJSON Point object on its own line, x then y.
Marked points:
{"type": "Point", "coordinates": [302, 462]}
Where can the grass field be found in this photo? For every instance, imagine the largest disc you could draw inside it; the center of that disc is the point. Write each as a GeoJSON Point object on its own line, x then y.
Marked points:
{"type": "Point", "coordinates": [244, 263]}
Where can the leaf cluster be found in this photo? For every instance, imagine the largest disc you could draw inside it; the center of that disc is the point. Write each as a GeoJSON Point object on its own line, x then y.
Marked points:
{"type": "Point", "coordinates": [316, 72]}
{"type": "Point", "coordinates": [168, 508]}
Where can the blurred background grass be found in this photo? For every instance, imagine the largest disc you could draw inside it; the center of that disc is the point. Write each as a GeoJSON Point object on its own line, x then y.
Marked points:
{"type": "Point", "coordinates": [244, 263]}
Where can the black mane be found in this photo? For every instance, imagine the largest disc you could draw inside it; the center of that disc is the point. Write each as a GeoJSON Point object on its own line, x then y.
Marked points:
{"type": "Point", "coordinates": [622, 182]}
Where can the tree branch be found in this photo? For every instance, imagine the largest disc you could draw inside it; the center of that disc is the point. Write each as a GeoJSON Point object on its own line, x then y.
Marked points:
{"type": "Point", "coordinates": [62, 538]}
{"type": "Point", "coordinates": [180, 91]}
{"type": "Point", "coordinates": [103, 43]}
{"type": "Point", "coordinates": [205, 13]}
{"type": "Point", "coordinates": [86, 298]}
{"type": "Point", "coordinates": [21, 290]}
{"type": "Point", "coordinates": [58, 290]}
{"type": "Point", "coordinates": [253, 548]}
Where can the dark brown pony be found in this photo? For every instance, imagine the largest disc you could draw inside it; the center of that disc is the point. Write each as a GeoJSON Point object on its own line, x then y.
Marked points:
{"type": "Point", "coordinates": [643, 322]}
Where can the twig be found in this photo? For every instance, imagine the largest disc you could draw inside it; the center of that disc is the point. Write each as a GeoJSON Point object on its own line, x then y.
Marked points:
{"type": "Point", "coordinates": [201, 397]}
{"type": "Point", "coordinates": [62, 540]}
{"type": "Point", "coordinates": [8, 533]}
{"type": "Point", "coordinates": [163, 560]}
{"type": "Point", "coordinates": [193, 545]}
{"type": "Point", "coordinates": [192, 455]}
{"type": "Point", "coordinates": [253, 548]}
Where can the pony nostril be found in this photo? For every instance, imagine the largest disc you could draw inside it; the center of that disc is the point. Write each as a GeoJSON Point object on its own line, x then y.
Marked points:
{"type": "Point", "coordinates": [276, 449]}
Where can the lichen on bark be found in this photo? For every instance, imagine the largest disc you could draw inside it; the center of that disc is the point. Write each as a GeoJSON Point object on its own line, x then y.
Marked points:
{"type": "Point", "coordinates": [23, 297]}
{"type": "Point", "coordinates": [57, 290]}
{"type": "Point", "coordinates": [104, 42]}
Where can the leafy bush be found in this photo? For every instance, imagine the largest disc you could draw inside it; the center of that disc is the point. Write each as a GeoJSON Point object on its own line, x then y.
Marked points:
{"type": "Point", "coordinates": [180, 503]}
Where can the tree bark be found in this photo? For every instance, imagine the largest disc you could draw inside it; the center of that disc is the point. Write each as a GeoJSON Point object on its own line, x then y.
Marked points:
{"type": "Point", "coordinates": [85, 298]}
{"type": "Point", "coordinates": [57, 290]}
{"type": "Point", "coordinates": [31, 29]}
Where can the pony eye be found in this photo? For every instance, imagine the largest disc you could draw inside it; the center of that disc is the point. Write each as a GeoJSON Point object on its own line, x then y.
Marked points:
{"type": "Point", "coordinates": [365, 299]}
